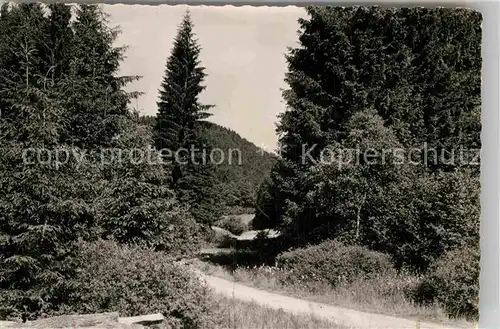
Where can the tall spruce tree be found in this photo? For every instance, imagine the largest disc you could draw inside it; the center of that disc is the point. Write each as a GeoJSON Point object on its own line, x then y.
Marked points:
{"type": "Point", "coordinates": [326, 85]}
{"type": "Point", "coordinates": [178, 125]}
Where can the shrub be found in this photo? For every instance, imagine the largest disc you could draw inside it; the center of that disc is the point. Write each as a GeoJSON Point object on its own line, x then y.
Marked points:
{"type": "Point", "coordinates": [453, 282]}
{"type": "Point", "coordinates": [334, 262]}
{"type": "Point", "coordinates": [134, 281]}
{"type": "Point", "coordinates": [233, 224]}
{"type": "Point", "coordinates": [220, 237]}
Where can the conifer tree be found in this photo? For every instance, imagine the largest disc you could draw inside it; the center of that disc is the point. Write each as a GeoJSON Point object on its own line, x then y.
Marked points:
{"type": "Point", "coordinates": [60, 39]}
{"type": "Point", "coordinates": [135, 204]}
{"type": "Point", "coordinates": [325, 88]}
{"type": "Point", "coordinates": [53, 97]}
{"type": "Point", "coordinates": [45, 207]}
{"type": "Point", "coordinates": [178, 124]}
{"type": "Point", "coordinates": [42, 211]}
{"type": "Point", "coordinates": [22, 49]}
{"type": "Point", "coordinates": [94, 92]}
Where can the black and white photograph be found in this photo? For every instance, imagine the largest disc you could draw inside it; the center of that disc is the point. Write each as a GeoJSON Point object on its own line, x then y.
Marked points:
{"type": "Point", "coordinates": [239, 167]}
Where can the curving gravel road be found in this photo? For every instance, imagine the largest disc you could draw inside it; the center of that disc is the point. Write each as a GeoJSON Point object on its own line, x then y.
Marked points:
{"type": "Point", "coordinates": [335, 314]}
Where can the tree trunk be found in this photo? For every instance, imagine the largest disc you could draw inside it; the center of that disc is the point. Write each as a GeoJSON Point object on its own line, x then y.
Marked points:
{"type": "Point", "coordinates": [358, 215]}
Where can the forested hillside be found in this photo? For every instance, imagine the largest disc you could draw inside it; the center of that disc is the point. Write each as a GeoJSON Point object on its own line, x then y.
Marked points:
{"type": "Point", "coordinates": [239, 181]}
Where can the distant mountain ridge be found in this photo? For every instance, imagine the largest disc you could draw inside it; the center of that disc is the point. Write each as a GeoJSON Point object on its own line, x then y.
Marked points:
{"type": "Point", "coordinates": [238, 181]}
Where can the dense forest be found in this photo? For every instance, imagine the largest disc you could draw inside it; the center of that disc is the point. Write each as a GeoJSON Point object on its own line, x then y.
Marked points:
{"type": "Point", "coordinates": [387, 87]}
{"type": "Point", "coordinates": [84, 215]}
{"type": "Point", "coordinates": [373, 80]}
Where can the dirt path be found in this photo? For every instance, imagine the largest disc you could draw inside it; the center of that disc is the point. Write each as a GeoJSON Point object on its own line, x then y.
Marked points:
{"type": "Point", "coordinates": [339, 315]}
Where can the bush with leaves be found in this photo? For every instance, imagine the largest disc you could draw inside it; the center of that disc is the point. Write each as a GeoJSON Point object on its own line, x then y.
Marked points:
{"type": "Point", "coordinates": [136, 281]}
{"type": "Point", "coordinates": [453, 282]}
{"type": "Point", "coordinates": [136, 211]}
{"type": "Point", "coordinates": [234, 224]}
{"type": "Point", "coordinates": [334, 262]}
{"type": "Point", "coordinates": [425, 215]}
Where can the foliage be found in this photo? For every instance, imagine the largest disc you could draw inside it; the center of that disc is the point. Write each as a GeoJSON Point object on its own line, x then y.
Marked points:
{"type": "Point", "coordinates": [141, 210]}
{"type": "Point", "coordinates": [334, 262]}
{"type": "Point", "coordinates": [384, 203]}
{"type": "Point", "coordinates": [43, 209]}
{"type": "Point", "coordinates": [363, 79]}
{"type": "Point", "coordinates": [93, 92]}
{"type": "Point", "coordinates": [264, 203]}
{"type": "Point", "coordinates": [60, 39]}
{"type": "Point", "coordinates": [135, 281]}
{"type": "Point", "coordinates": [275, 195]}
{"type": "Point", "coordinates": [177, 126]}
{"type": "Point", "coordinates": [453, 281]}
{"type": "Point", "coordinates": [135, 204]}
{"type": "Point", "coordinates": [53, 98]}
{"type": "Point", "coordinates": [429, 214]}
{"type": "Point", "coordinates": [343, 182]}
{"type": "Point", "coordinates": [22, 56]}
{"type": "Point", "coordinates": [387, 205]}
{"type": "Point", "coordinates": [233, 224]}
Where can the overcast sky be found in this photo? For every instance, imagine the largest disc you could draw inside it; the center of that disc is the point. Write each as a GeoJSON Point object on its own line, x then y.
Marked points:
{"type": "Point", "coordinates": [242, 49]}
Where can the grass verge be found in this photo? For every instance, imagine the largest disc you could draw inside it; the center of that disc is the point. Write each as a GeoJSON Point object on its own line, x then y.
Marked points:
{"type": "Point", "coordinates": [380, 295]}
{"type": "Point", "coordinates": [237, 314]}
